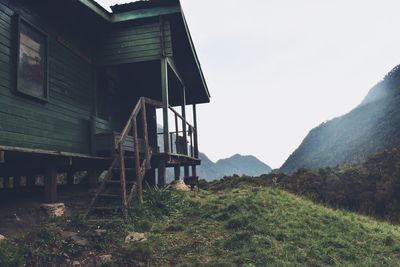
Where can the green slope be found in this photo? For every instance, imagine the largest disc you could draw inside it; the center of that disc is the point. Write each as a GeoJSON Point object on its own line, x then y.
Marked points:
{"type": "Point", "coordinates": [244, 226]}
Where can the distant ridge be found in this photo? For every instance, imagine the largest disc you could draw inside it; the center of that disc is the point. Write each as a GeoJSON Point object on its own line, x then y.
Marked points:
{"type": "Point", "coordinates": [237, 164]}
{"type": "Point", "coordinates": [371, 127]}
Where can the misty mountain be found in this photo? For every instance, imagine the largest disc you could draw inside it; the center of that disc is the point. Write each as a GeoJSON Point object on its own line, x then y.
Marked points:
{"type": "Point", "coordinates": [371, 127]}
{"type": "Point", "coordinates": [236, 164]}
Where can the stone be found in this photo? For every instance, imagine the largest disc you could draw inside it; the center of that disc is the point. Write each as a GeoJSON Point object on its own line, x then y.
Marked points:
{"type": "Point", "coordinates": [2, 237]}
{"type": "Point", "coordinates": [179, 186]}
{"type": "Point", "coordinates": [100, 232]}
{"type": "Point", "coordinates": [105, 259]}
{"type": "Point", "coordinates": [53, 210]}
{"type": "Point", "coordinates": [76, 263]}
{"type": "Point", "coordinates": [134, 237]}
{"type": "Point", "coordinates": [75, 238]}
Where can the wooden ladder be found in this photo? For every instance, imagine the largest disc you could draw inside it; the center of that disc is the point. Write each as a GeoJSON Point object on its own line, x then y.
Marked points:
{"type": "Point", "coordinates": [107, 195]}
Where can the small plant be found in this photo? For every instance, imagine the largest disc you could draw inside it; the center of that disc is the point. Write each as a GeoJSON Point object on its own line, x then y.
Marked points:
{"type": "Point", "coordinates": [10, 254]}
{"type": "Point", "coordinates": [136, 252]}
{"type": "Point", "coordinates": [175, 228]}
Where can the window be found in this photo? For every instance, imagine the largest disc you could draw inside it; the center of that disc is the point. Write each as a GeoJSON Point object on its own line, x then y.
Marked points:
{"type": "Point", "coordinates": [31, 61]}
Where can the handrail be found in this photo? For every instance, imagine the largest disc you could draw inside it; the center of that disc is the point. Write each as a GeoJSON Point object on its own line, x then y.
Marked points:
{"type": "Point", "coordinates": [134, 114]}
{"type": "Point", "coordinates": [180, 116]}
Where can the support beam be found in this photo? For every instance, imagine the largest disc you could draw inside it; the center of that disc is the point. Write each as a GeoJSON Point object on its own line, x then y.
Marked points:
{"type": "Point", "coordinates": [184, 125]}
{"type": "Point", "coordinates": [177, 172]}
{"type": "Point", "coordinates": [50, 185]}
{"type": "Point", "coordinates": [162, 181]}
{"type": "Point", "coordinates": [194, 171]}
{"type": "Point", "coordinates": [70, 176]}
{"type": "Point", "coordinates": [93, 177]}
{"type": "Point", "coordinates": [165, 100]}
{"type": "Point", "coordinates": [196, 140]}
{"type": "Point", "coordinates": [186, 171]}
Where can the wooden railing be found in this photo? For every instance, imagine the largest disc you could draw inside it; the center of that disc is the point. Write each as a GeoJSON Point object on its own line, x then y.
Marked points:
{"type": "Point", "coordinates": [132, 126]}
{"type": "Point", "coordinates": [186, 143]}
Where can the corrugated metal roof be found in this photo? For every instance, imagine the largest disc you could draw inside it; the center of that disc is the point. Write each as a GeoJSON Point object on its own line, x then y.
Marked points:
{"type": "Point", "coordinates": [142, 4]}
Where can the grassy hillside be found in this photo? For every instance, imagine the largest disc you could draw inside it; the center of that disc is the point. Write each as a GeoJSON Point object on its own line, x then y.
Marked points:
{"type": "Point", "coordinates": [369, 128]}
{"type": "Point", "coordinates": [238, 226]}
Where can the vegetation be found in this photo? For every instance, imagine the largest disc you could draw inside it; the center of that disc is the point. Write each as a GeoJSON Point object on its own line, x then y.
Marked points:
{"type": "Point", "coordinates": [371, 188]}
{"type": "Point", "coordinates": [230, 224]}
{"type": "Point", "coordinates": [369, 128]}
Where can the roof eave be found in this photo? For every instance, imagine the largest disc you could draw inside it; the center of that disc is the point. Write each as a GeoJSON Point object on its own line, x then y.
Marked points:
{"type": "Point", "coordinates": [129, 15]}
{"type": "Point", "coordinates": [196, 58]}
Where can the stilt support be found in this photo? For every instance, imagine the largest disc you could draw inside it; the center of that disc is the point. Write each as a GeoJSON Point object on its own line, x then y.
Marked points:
{"type": "Point", "coordinates": [50, 185]}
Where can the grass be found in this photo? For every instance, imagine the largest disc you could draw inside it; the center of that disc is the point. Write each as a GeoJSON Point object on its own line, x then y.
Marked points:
{"type": "Point", "coordinates": [242, 226]}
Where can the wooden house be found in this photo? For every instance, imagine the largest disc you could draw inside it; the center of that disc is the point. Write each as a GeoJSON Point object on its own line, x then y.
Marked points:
{"type": "Point", "coordinates": [84, 89]}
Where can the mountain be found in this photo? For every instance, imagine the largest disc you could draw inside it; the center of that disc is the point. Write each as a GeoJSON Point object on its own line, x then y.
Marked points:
{"type": "Point", "coordinates": [237, 164]}
{"type": "Point", "coordinates": [371, 127]}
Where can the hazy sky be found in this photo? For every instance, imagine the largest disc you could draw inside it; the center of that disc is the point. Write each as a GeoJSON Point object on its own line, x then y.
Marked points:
{"type": "Point", "coordinates": [278, 68]}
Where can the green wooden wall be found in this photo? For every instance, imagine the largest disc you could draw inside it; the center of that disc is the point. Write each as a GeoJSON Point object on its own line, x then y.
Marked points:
{"type": "Point", "coordinates": [66, 122]}
{"type": "Point", "coordinates": [63, 123]}
{"type": "Point", "coordinates": [128, 43]}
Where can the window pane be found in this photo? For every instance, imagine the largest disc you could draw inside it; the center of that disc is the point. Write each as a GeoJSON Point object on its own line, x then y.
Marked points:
{"type": "Point", "coordinates": [32, 67]}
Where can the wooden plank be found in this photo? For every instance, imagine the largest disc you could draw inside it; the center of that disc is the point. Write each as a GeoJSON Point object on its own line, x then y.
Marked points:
{"type": "Point", "coordinates": [139, 181]}
{"type": "Point", "coordinates": [177, 172]}
{"type": "Point", "coordinates": [164, 90]}
{"type": "Point", "coordinates": [50, 185]}
{"type": "Point", "coordinates": [196, 141]}
{"type": "Point", "coordinates": [184, 124]}
{"type": "Point", "coordinates": [145, 134]}
{"type": "Point", "coordinates": [123, 182]}
{"type": "Point", "coordinates": [161, 173]}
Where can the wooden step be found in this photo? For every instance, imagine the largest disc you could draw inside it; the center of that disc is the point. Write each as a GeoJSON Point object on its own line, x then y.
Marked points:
{"type": "Point", "coordinates": [104, 195]}
{"type": "Point", "coordinates": [126, 169]}
{"type": "Point", "coordinates": [109, 209]}
{"type": "Point", "coordinates": [118, 182]}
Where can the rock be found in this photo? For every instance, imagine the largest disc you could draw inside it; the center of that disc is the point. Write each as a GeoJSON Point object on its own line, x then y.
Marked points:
{"type": "Point", "coordinates": [134, 237]}
{"type": "Point", "coordinates": [2, 237]}
{"type": "Point", "coordinates": [76, 263]}
{"type": "Point", "coordinates": [105, 259]}
{"type": "Point", "coordinates": [100, 232]}
{"type": "Point", "coordinates": [53, 210]}
{"type": "Point", "coordinates": [75, 238]}
{"type": "Point", "coordinates": [179, 186]}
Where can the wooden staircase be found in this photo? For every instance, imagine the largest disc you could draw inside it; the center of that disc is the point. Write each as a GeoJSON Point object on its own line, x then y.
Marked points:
{"type": "Point", "coordinates": [121, 183]}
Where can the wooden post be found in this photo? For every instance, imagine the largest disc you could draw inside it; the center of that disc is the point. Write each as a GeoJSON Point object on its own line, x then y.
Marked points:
{"type": "Point", "coordinates": [186, 171]}
{"type": "Point", "coordinates": [164, 88]}
{"type": "Point", "coordinates": [139, 180]}
{"type": "Point", "coordinates": [93, 177]}
{"type": "Point", "coordinates": [177, 172]}
{"type": "Point", "coordinates": [31, 180]}
{"type": "Point", "coordinates": [123, 180]}
{"type": "Point", "coordinates": [194, 171]}
{"type": "Point", "coordinates": [146, 135]}
{"type": "Point", "coordinates": [183, 110]}
{"type": "Point", "coordinates": [6, 182]}
{"type": "Point", "coordinates": [17, 182]}
{"type": "Point", "coordinates": [196, 140]}
{"type": "Point", "coordinates": [70, 177]}
{"type": "Point", "coordinates": [161, 173]}
{"type": "Point", "coordinates": [2, 156]}
{"type": "Point", "coordinates": [50, 185]}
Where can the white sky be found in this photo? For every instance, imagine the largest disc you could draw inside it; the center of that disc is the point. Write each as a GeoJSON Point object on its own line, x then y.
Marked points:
{"type": "Point", "coordinates": [277, 68]}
